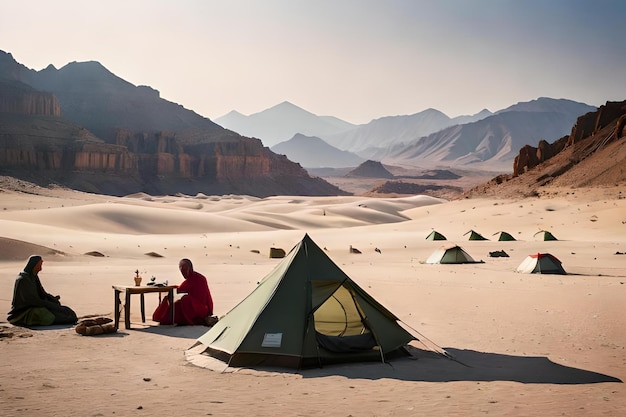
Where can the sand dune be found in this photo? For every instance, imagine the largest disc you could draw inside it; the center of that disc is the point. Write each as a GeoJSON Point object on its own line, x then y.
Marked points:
{"type": "Point", "coordinates": [17, 250]}
{"type": "Point", "coordinates": [525, 344]}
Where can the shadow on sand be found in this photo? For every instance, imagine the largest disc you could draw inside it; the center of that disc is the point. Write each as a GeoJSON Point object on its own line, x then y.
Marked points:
{"type": "Point", "coordinates": [184, 332]}
{"type": "Point", "coordinates": [469, 365]}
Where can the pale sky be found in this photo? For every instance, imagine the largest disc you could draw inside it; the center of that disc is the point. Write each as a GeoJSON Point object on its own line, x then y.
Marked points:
{"type": "Point", "coordinates": [354, 59]}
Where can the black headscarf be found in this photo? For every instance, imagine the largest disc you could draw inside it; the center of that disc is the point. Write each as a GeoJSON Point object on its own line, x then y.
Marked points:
{"type": "Point", "coordinates": [32, 261]}
{"type": "Point", "coordinates": [187, 261]}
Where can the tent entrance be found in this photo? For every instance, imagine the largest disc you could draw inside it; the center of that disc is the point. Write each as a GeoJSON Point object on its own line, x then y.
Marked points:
{"type": "Point", "coordinates": [339, 324]}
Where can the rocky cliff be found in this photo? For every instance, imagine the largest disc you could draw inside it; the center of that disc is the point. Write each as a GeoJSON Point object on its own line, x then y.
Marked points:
{"type": "Point", "coordinates": [21, 99]}
{"type": "Point", "coordinates": [141, 142]}
{"type": "Point", "coordinates": [31, 103]}
{"type": "Point", "coordinates": [156, 163]}
{"type": "Point", "coordinates": [593, 155]}
{"type": "Point", "coordinates": [612, 114]}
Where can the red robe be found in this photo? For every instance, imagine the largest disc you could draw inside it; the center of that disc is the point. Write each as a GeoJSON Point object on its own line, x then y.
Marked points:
{"type": "Point", "coordinates": [193, 307]}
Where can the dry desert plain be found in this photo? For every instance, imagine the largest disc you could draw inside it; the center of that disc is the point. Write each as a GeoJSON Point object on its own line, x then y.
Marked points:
{"type": "Point", "coordinates": [526, 345]}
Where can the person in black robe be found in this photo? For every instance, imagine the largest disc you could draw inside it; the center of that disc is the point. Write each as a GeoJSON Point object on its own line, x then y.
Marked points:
{"type": "Point", "coordinates": [32, 305]}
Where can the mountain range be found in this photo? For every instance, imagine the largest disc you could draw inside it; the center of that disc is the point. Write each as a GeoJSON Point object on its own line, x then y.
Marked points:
{"type": "Point", "coordinates": [494, 142]}
{"type": "Point", "coordinates": [83, 127]}
{"type": "Point", "coordinates": [486, 140]}
{"type": "Point", "coordinates": [281, 122]}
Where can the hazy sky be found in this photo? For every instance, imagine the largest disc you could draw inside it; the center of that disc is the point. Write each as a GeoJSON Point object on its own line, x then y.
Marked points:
{"type": "Point", "coordinates": [357, 60]}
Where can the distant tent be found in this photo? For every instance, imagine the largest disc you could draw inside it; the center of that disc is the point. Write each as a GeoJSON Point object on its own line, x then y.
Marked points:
{"type": "Point", "coordinates": [475, 236]}
{"type": "Point", "coordinates": [306, 312]}
{"type": "Point", "coordinates": [541, 263]}
{"type": "Point", "coordinates": [545, 235]}
{"type": "Point", "coordinates": [434, 235]}
{"type": "Point", "coordinates": [277, 253]}
{"type": "Point", "coordinates": [450, 255]}
{"type": "Point", "coordinates": [504, 236]}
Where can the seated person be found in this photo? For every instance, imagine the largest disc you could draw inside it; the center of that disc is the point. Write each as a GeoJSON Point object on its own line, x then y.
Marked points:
{"type": "Point", "coordinates": [195, 307]}
{"type": "Point", "coordinates": [32, 305]}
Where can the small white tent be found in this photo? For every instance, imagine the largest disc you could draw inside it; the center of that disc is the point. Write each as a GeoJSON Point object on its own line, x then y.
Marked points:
{"type": "Point", "coordinates": [541, 263]}
{"type": "Point", "coordinates": [450, 255]}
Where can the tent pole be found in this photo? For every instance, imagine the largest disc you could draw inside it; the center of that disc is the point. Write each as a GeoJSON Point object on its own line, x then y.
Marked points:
{"type": "Point", "coordinates": [366, 324]}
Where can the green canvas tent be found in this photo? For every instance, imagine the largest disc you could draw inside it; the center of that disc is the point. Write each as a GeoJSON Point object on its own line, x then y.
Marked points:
{"type": "Point", "coordinates": [504, 236]}
{"type": "Point", "coordinates": [434, 235]}
{"type": "Point", "coordinates": [541, 263]}
{"type": "Point", "coordinates": [475, 236]}
{"type": "Point", "coordinates": [545, 235]}
{"type": "Point", "coordinates": [450, 255]}
{"type": "Point", "coordinates": [305, 313]}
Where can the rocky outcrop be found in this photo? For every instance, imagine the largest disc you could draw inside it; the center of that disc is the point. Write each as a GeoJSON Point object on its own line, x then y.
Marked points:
{"type": "Point", "coordinates": [234, 159]}
{"type": "Point", "coordinates": [156, 163]}
{"type": "Point", "coordinates": [588, 125]}
{"type": "Point", "coordinates": [100, 158]}
{"type": "Point", "coordinates": [370, 169]}
{"type": "Point", "coordinates": [529, 156]}
{"type": "Point", "coordinates": [242, 159]}
{"type": "Point", "coordinates": [596, 160]}
{"type": "Point", "coordinates": [54, 155]}
{"type": "Point", "coordinates": [30, 103]}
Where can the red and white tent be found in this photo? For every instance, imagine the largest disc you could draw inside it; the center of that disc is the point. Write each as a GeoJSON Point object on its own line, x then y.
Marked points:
{"type": "Point", "coordinates": [541, 263]}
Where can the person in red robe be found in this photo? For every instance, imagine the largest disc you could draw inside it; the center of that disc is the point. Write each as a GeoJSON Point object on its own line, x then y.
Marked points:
{"type": "Point", "coordinates": [195, 307]}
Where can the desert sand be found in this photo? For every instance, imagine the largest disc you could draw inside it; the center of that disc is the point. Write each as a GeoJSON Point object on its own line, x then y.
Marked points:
{"type": "Point", "coordinates": [525, 345]}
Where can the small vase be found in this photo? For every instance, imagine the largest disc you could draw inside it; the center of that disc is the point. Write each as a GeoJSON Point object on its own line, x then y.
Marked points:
{"type": "Point", "coordinates": [137, 281]}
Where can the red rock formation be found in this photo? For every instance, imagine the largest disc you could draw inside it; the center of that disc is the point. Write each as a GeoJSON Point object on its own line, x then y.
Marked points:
{"type": "Point", "coordinates": [526, 159]}
{"type": "Point", "coordinates": [102, 158]}
{"type": "Point", "coordinates": [246, 158]}
{"type": "Point", "coordinates": [586, 126]}
{"type": "Point", "coordinates": [240, 165]}
{"type": "Point", "coordinates": [591, 123]}
{"type": "Point", "coordinates": [231, 160]}
{"type": "Point", "coordinates": [31, 103]}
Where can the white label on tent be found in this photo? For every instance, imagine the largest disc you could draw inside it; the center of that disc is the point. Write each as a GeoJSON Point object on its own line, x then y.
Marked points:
{"type": "Point", "coordinates": [272, 340]}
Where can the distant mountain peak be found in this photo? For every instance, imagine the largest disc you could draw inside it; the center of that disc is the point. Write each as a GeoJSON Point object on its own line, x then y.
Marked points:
{"type": "Point", "coordinates": [233, 113]}
{"type": "Point", "coordinates": [286, 104]}
{"type": "Point", "coordinates": [89, 71]}
{"type": "Point", "coordinates": [314, 152]}
{"type": "Point", "coordinates": [301, 137]}
{"type": "Point", "coordinates": [431, 110]}
{"type": "Point", "coordinates": [280, 122]}
{"type": "Point", "coordinates": [370, 169]}
{"type": "Point", "coordinates": [94, 64]}
{"type": "Point", "coordinates": [286, 107]}
{"type": "Point", "coordinates": [545, 104]}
